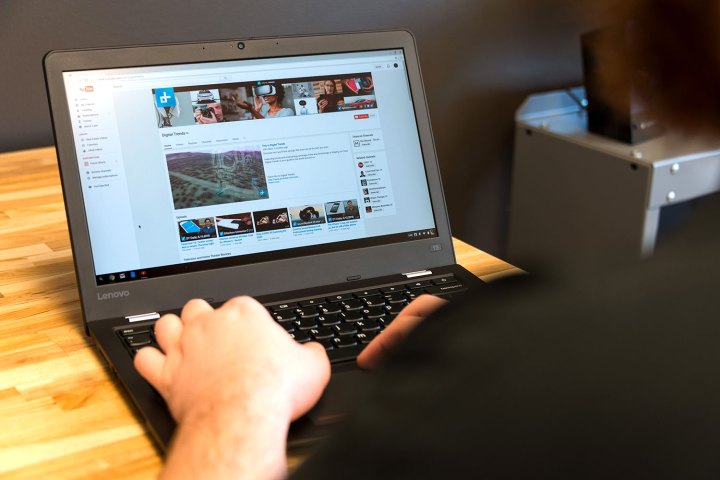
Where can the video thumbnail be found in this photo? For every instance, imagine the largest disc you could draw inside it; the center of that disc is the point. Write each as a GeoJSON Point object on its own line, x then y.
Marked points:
{"type": "Point", "coordinates": [271, 99]}
{"type": "Point", "coordinates": [305, 215]}
{"type": "Point", "coordinates": [342, 210]}
{"type": "Point", "coordinates": [357, 85]}
{"type": "Point", "coordinates": [197, 229]}
{"type": "Point", "coordinates": [276, 219]}
{"type": "Point", "coordinates": [206, 106]}
{"type": "Point", "coordinates": [358, 103]}
{"type": "Point", "coordinates": [235, 224]}
{"type": "Point", "coordinates": [176, 110]}
{"type": "Point", "coordinates": [328, 94]}
{"type": "Point", "coordinates": [199, 179]}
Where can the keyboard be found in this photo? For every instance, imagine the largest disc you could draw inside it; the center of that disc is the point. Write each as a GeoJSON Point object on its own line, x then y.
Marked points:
{"type": "Point", "coordinates": [343, 322]}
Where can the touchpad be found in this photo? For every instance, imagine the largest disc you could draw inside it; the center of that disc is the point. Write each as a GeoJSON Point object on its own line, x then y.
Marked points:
{"type": "Point", "coordinates": [339, 397]}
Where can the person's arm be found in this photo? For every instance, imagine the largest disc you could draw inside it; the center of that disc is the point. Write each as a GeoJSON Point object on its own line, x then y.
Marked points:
{"type": "Point", "coordinates": [254, 111]}
{"type": "Point", "coordinates": [377, 351]}
{"type": "Point", "coordinates": [234, 380]}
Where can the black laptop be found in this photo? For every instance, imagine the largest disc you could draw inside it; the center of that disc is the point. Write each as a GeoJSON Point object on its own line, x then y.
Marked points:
{"type": "Point", "coordinates": [298, 170]}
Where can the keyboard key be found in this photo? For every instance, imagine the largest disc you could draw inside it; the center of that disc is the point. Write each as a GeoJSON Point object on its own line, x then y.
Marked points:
{"type": "Point", "coordinates": [345, 341]}
{"type": "Point", "coordinates": [288, 326]}
{"type": "Point", "coordinates": [397, 297]}
{"type": "Point", "coordinates": [330, 308]}
{"type": "Point", "coordinates": [353, 316]}
{"type": "Point", "coordinates": [419, 284]}
{"type": "Point", "coordinates": [138, 340]}
{"type": "Point", "coordinates": [339, 297]}
{"type": "Point", "coordinates": [306, 323]}
{"type": "Point", "coordinates": [329, 320]}
{"type": "Point", "coordinates": [321, 333]}
{"type": "Point", "coordinates": [312, 301]}
{"type": "Point", "coordinates": [307, 312]}
{"type": "Point", "coordinates": [394, 309]}
{"type": "Point", "coordinates": [353, 304]}
{"type": "Point", "coordinates": [393, 289]}
{"type": "Point", "coordinates": [365, 338]}
{"type": "Point", "coordinates": [301, 337]}
{"type": "Point", "coordinates": [283, 306]}
{"type": "Point", "coordinates": [374, 300]}
{"type": "Point", "coordinates": [374, 312]}
{"type": "Point", "coordinates": [369, 326]}
{"type": "Point", "coordinates": [367, 293]}
{"type": "Point", "coordinates": [445, 289]}
{"type": "Point", "coordinates": [134, 331]}
{"type": "Point", "coordinates": [285, 316]}
{"type": "Point", "coordinates": [444, 280]}
{"type": "Point", "coordinates": [345, 329]}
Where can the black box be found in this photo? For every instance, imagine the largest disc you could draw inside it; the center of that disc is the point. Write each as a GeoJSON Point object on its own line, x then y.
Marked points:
{"type": "Point", "coordinates": [618, 90]}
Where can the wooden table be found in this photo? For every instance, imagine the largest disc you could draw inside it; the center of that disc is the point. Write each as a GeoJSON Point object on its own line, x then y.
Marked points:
{"type": "Point", "coordinates": [61, 413]}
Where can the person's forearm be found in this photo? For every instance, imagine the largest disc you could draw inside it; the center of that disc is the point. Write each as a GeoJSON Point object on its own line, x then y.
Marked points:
{"type": "Point", "coordinates": [230, 443]}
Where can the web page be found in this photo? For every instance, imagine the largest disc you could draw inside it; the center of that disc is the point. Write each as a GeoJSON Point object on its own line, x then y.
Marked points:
{"type": "Point", "coordinates": [202, 165]}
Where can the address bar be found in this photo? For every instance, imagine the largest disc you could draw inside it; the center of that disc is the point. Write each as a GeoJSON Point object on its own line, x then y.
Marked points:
{"type": "Point", "coordinates": [268, 68]}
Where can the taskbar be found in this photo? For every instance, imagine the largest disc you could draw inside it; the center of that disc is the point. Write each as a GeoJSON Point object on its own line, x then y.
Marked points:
{"type": "Point", "coordinates": [164, 271]}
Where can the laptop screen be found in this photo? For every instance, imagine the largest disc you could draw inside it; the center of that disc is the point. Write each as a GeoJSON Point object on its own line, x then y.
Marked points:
{"type": "Point", "coordinates": [206, 165]}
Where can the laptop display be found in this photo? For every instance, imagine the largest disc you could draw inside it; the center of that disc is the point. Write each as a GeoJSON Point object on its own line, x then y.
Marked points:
{"type": "Point", "coordinates": [197, 166]}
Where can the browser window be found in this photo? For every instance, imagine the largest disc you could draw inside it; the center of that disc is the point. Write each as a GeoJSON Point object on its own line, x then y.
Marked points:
{"type": "Point", "coordinates": [188, 167]}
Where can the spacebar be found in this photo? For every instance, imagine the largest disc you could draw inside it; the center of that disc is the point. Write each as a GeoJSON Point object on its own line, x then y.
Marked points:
{"type": "Point", "coordinates": [338, 355]}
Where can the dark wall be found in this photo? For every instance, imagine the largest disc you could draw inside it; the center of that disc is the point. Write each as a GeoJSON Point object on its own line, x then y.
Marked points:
{"type": "Point", "coordinates": [480, 58]}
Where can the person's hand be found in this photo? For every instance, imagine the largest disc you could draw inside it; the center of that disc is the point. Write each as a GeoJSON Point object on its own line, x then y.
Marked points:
{"type": "Point", "coordinates": [241, 103]}
{"type": "Point", "coordinates": [322, 104]}
{"type": "Point", "coordinates": [204, 120]}
{"type": "Point", "coordinates": [375, 353]}
{"type": "Point", "coordinates": [233, 379]}
{"type": "Point", "coordinates": [229, 358]}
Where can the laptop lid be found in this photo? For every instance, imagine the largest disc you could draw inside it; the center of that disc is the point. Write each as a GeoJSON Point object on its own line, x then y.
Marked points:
{"type": "Point", "coordinates": [249, 166]}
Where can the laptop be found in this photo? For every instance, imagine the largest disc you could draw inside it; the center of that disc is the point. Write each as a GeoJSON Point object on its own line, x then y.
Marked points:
{"type": "Point", "coordinates": [298, 170]}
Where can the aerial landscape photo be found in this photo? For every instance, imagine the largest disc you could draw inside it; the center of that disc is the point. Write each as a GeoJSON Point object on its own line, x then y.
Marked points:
{"type": "Point", "coordinates": [199, 179]}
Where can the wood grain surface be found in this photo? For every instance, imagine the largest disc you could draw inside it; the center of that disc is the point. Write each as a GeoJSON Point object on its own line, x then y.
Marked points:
{"type": "Point", "coordinates": [61, 413]}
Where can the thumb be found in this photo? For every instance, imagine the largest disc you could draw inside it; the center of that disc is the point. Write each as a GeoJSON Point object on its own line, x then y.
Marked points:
{"type": "Point", "coordinates": [312, 378]}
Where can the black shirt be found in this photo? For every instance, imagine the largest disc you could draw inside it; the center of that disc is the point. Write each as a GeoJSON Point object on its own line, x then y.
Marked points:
{"type": "Point", "coordinates": [592, 376]}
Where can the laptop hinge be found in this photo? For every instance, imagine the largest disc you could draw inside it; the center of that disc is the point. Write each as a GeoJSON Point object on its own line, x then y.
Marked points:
{"type": "Point", "coordinates": [142, 317]}
{"type": "Point", "coordinates": [419, 273]}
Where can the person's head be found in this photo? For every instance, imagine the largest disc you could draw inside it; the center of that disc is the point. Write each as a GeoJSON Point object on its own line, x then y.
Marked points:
{"type": "Point", "coordinates": [208, 222]}
{"type": "Point", "coordinates": [329, 87]}
{"type": "Point", "coordinates": [276, 97]}
{"type": "Point", "coordinates": [217, 110]}
{"type": "Point", "coordinates": [349, 204]}
{"type": "Point", "coordinates": [676, 43]}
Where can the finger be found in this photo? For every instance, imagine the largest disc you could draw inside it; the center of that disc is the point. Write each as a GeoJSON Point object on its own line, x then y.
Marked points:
{"type": "Point", "coordinates": [377, 351]}
{"type": "Point", "coordinates": [168, 331]}
{"type": "Point", "coordinates": [194, 308]}
{"type": "Point", "coordinates": [150, 362]}
{"type": "Point", "coordinates": [314, 370]}
{"type": "Point", "coordinates": [249, 308]}
{"type": "Point", "coordinates": [423, 305]}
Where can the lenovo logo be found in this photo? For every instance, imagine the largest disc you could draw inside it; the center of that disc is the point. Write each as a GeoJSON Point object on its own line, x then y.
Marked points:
{"type": "Point", "coordinates": [111, 295]}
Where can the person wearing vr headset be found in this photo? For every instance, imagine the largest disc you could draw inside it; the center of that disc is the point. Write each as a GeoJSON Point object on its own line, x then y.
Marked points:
{"type": "Point", "coordinates": [268, 102]}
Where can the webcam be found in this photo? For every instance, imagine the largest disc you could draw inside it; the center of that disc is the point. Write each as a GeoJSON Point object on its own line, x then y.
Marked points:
{"type": "Point", "coordinates": [241, 46]}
